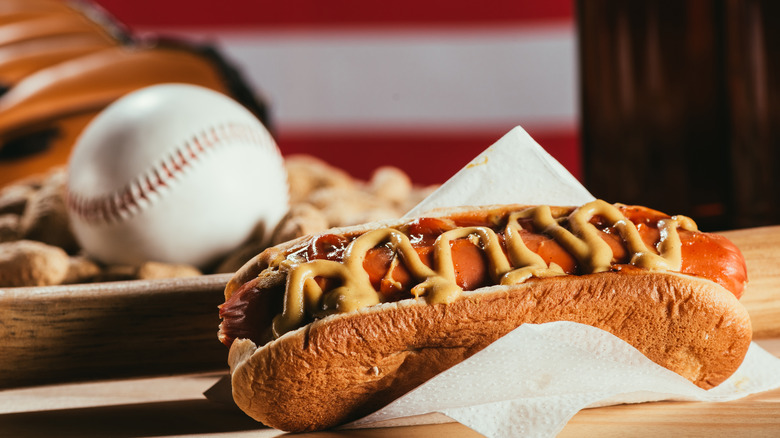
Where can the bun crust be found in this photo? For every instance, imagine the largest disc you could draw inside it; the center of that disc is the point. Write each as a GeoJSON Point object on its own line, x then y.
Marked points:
{"type": "Point", "coordinates": [344, 366]}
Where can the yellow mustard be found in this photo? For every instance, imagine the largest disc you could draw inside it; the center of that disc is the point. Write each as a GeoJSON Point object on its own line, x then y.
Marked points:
{"type": "Point", "coordinates": [304, 298]}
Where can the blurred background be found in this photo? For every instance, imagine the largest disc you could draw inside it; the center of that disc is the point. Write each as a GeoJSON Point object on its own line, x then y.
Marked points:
{"type": "Point", "coordinates": [667, 104]}
{"type": "Point", "coordinates": [421, 85]}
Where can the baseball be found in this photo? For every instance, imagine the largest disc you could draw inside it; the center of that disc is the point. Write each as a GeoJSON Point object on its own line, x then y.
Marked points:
{"type": "Point", "coordinates": [173, 173]}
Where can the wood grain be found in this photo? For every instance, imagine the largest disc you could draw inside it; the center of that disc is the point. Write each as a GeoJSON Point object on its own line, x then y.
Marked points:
{"type": "Point", "coordinates": [103, 330]}
{"type": "Point", "coordinates": [761, 248]}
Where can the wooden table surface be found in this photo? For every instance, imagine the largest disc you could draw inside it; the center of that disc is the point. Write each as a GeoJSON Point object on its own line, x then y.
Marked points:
{"type": "Point", "coordinates": [173, 404]}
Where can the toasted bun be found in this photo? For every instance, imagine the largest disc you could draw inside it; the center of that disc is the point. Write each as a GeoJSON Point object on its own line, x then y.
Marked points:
{"type": "Point", "coordinates": [344, 366]}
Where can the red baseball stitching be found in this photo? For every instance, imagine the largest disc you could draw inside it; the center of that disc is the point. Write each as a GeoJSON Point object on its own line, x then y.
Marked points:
{"type": "Point", "coordinates": [135, 196]}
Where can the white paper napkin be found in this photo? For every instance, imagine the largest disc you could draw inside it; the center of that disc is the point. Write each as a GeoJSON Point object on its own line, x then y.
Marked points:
{"type": "Point", "coordinates": [532, 381]}
{"type": "Point", "coordinates": [514, 170]}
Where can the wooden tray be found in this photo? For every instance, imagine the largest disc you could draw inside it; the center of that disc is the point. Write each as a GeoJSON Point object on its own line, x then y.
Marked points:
{"type": "Point", "coordinates": [106, 330]}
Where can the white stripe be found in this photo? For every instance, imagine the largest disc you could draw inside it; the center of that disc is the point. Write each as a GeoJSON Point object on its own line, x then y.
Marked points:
{"type": "Point", "coordinates": [456, 78]}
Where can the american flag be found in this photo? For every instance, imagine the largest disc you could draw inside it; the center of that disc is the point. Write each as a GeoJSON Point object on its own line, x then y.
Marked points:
{"type": "Point", "coordinates": [421, 85]}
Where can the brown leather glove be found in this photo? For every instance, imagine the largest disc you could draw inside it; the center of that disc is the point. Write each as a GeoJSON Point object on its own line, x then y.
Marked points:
{"type": "Point", "coordinates": [60, 65]}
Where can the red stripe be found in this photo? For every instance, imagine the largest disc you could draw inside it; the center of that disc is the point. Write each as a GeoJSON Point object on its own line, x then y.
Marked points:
{"type": "Point", "coordinates": [333, 13]}
{"type": "Point", "coordinates": [427, 159]}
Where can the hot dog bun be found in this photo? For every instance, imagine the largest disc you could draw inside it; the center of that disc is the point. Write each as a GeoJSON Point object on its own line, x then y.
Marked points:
{"type": "Point", "coordinates": [345, 365]}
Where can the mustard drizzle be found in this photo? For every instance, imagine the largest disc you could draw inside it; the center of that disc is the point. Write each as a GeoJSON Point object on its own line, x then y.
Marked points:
{"type": "Point", "coordinates": [304, 296]}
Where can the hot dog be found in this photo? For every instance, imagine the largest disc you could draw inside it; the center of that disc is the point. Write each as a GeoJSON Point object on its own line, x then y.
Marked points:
{"type": "Point", "coordinates": [326, 328]}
